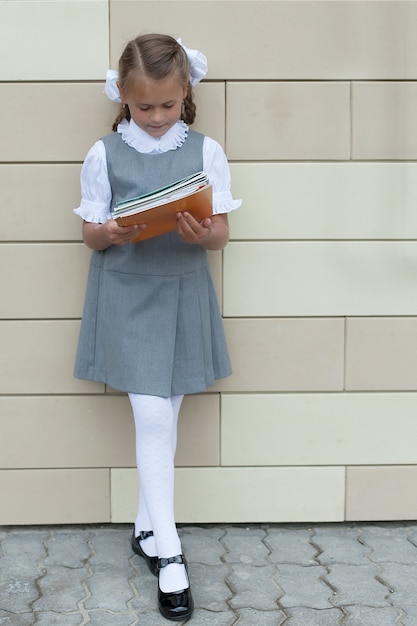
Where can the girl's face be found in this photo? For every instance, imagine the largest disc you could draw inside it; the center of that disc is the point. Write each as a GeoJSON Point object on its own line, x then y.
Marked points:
{"type": "Point", "coordinates": [155, 105]}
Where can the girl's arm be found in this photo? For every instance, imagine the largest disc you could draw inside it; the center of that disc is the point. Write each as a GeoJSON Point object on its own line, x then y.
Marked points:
{"type": "Point", "coordinates": [212, 233]}
{"type": "Point", "coordinates": [102, 236]}
{"type": "Point", "coordinates": [99, 231]}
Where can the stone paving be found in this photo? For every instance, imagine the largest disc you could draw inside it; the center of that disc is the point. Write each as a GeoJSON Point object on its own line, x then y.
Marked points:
{"type": "Point", "coordinates": [258, 575]}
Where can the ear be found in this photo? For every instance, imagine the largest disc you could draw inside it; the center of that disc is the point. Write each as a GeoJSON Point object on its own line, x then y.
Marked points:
{"type": "Point", "coordinates": [120, 91]}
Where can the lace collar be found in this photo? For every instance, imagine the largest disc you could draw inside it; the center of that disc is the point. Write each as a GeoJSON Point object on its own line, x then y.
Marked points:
{"type": "Point", "coordinates": [138, 139]}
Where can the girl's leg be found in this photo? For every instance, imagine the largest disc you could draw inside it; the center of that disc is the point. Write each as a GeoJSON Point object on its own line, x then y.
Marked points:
{"type": "Point", "coordinates": [176, 402]}
{"type": "Point", "coordinates": [156, 425]}
{"type": "Point", "coordinates": [143, 522]}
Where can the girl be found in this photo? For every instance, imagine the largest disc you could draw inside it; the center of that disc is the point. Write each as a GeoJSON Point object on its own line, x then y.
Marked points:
{"type": "Point", "coordinates": [151, 324]}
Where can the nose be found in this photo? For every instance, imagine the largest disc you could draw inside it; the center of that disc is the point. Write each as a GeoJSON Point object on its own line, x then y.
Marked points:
{"type": "Point", "coordinates": [157, 115]}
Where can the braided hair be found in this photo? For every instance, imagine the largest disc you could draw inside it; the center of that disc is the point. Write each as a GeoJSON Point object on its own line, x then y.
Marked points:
{"type": "Point", "coordinates": [157, 57]}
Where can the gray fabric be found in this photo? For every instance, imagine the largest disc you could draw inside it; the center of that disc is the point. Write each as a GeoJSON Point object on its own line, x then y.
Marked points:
{"type": "Point", "coordinates": [151, 321]}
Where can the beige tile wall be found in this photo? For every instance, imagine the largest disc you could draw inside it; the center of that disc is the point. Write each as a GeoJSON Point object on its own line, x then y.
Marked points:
{"type": "Point", "coordinates": [304, 120]}
{"type": "Point", "coordinates": [318, 278]}
{"type": "Point", "coordinates": [347, 200]}
{"type": "Point", "coordinates": [314, 103]}
{"type": "Point", "coordinates": [282, 494]}
{"type": "Point", "coordinates": [384, 122]}
{"type": "Point", "coordinates": [35, 45]}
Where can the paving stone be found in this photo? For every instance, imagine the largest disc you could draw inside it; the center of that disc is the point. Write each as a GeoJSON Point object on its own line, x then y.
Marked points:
{"type": "Point", "coordinates": [337, 547]}
{"type": "Point", "coordinates": [25, 546]}
{"type": "Point", "coordinates": [314, 617]}
{"type": "Point", "coordinates": [209, 588]}
{"type": "Point", "coordinates": [202, 545]}
{"type": "Point", "coordinates": [61, 589]}
{"type": "Point", "coordinates": [365, 615]}
{"type": "Point", "coordinates": [109, 588]}
{"type": "Point", "coordinates": [253, 587]}
{"type": "Point", "coordinates": [357, 585]}
{"type": "Point", "coordinates": [22, 553]}
{"type": "Point", "coordinates": [252, 617]}
{"type": "Point", "coordinates": [401, 580]}
{"type": "Point", "coordinates": [111, 547]}
{"type": "Point", "coordinates": [389, 544]}
{"type": "Point", "coordinates": [67, 548]}
{"type": "Point", "coordinates": [21, 568]}
{"type": "Point", "coordinates": [290, 545]}
{"type": "Point", "coordinates": [261, 575]}
{"type": "Point", "coordinates": [245, 545]}
{"type": "Point", "coordinates": [144, 593]}
{"type": "Point", "coordinates": [409, 616]}
{"type": "Point", "coordinates": [17, 587]}
{"type": "Point", "coordinates": [16, 619]}
{"type": "Point", "coordinates": [138, 568]}
{"type": "Point", "coordinates": [154, 618]}
{"type": "Point", "coordinates": [205, 618]}
{"type": "Point", "coordinates": [51, 618]}
{"type": "Point", "coordinates": [108, 618]}
{"type": "Point", "coordinates": [303, 586]}
{"type": "Point", "coordinates": [412, 536]}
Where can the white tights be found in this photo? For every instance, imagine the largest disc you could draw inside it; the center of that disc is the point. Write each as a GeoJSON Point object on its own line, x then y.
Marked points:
{"type": "Point", "coordinates": [156, 421]}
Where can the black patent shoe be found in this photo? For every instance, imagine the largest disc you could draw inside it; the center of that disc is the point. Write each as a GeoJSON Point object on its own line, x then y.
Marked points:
{"type": "Point", "coordinates": [152, 561]}
{"type": "Point", "coordinates": [175, 605]}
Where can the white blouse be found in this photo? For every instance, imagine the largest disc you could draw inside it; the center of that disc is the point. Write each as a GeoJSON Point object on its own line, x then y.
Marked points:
{"type": "Point", "coordinates": [96, 192]}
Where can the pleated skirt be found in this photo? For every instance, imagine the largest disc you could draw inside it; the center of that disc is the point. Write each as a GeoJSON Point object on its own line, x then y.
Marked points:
{"type": "Point", "coordinates": [151, 322]}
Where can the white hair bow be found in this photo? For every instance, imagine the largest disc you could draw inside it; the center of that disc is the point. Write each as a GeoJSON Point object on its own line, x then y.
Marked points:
{"type": "Point", "coordinates": [110, 88]}
{"type": "Point", "coordinates": [198, 64]}
{"type": "Point", "coordinates": [198, 70]}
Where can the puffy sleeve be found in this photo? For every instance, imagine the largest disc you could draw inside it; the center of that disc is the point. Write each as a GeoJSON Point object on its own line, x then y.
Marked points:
{"type": "Point", "coordinates": [217, 169]}
{"type": "Point", "coordinates": [96, 195]}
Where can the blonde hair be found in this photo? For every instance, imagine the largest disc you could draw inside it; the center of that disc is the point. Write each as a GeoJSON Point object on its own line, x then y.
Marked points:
{"type": "Point", "coordinates": [155, 56]}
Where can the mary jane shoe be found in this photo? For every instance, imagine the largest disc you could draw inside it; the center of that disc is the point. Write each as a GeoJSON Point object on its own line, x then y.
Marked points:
{"type": "Point", "coordinates": [175, 605]}
{"type": "Point", "coordinates": [152, 561]}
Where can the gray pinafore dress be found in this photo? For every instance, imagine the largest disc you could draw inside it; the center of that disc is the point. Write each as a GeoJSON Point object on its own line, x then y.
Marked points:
{"type": "Point", "coordinates": [151, 322]}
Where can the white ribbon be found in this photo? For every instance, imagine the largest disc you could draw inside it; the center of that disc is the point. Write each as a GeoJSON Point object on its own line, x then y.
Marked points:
{"type": "Point", "coordinates": [198, 67]}
{"type": "Point", "coordinates": [198, 63]}
{"type": "Point", "coordinates": [110, 88]}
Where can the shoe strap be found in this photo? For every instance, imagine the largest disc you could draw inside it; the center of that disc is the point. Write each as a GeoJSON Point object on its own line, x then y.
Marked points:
{"type": "Point", "coordinates": [144, 534]}
{"type": "Point", "coordinates": [173, 559]}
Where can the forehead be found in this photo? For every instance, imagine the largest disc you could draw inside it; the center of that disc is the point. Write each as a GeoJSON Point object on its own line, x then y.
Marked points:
{"type": "Point", "coordinates": [149, 91]}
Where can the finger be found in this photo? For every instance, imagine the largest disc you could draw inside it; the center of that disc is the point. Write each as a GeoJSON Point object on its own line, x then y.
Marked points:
{"type": "Point", "coordinates": [189, 220]}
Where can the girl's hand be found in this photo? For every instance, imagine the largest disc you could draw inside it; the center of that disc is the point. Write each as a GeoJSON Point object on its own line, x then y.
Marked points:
{"type": "Point", "coordinates": [211, 233]}
{"type": "Point", "coordinates": [121, 235]}
{"type": "Point", "coordinates": [102, 236]}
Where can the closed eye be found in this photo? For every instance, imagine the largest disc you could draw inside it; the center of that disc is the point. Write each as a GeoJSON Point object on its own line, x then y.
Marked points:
{"type": "Point", "coordinates": [165, 105]}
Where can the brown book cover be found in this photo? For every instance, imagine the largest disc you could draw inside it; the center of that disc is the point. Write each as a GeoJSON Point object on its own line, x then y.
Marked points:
{"type": "Point", "coordinates": [158, 209]}
{"type": "Point", "coordinates": [162, 219]}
